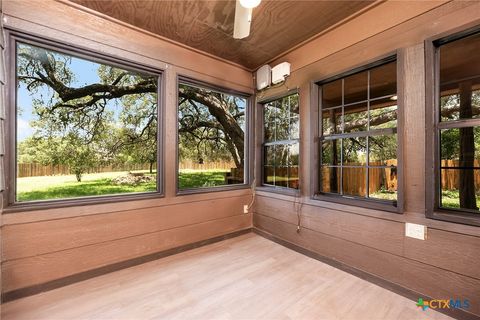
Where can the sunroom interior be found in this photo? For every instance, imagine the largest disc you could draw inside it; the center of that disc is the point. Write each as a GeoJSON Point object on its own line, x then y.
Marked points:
{"type": "Point", "coordinates": [240, 159]}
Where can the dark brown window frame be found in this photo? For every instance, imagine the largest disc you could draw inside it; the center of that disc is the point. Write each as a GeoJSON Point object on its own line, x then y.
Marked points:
{"type": "Point", "coordinates": [249, 122]}
{"type": "Point", "coordinates": [11, 205]}
{"type": "Point", "coordinates": [261, 137]}
{"type": "Point", "coordinates": [376, 204]}
{"type": "Point", "coordinates": [433, 126]}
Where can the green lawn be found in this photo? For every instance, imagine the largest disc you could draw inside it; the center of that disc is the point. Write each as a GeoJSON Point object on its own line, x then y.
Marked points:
{"type": "Point", "coordinates": [384, 195]}
{"type": "Point", "coordinates": [201, 178]}
{"type": "Point", "coordinates": [451, 199]}
{"type": "Point", "coordinates": [62, 187]}
{"type": "Point", "coordinates": [66, 186]}
{"type": "Point", "coordinates": [96, 184]}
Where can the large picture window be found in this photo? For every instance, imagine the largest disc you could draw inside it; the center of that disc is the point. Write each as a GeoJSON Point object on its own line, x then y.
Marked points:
{"type": "Point", "coordinates": [212, 137]}
{"type": "Point", "coordinates": [358, 135]}
{"type": "Point", "coordinates": [458, 125]}
{"type": "Point", "coordinates": [83, 127]}
{"type": "Point", "coordinates": [281, 144]}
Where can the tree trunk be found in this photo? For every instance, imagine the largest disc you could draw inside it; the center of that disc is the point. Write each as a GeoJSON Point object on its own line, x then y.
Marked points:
{"type": "Point", "coordinates": [467, 151]}
{"type": "Point", "coordinates": [218, 109]}
{"type": "Point", "coordinates": [151, 166]}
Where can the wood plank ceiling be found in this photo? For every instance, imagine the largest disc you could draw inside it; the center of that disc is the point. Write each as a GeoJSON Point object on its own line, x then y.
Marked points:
{"type": "Point", "coordinates": [277, 26]}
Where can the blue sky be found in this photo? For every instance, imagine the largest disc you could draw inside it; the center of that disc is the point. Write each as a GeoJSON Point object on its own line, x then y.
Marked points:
{"type": "Point", "coordinates": [85, 73]}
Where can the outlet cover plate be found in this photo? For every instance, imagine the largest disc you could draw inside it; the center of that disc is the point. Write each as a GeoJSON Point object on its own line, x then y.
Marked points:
{"type": "Point", "coordinates": [416, 231]}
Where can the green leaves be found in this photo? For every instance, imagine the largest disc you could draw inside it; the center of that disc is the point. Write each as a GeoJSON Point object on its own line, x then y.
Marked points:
{"type": "Point", "coordinates": [84, 113]}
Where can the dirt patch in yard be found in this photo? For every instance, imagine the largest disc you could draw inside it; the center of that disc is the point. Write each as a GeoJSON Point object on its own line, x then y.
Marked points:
{"type": "Point", "coordinates": [132, 179]}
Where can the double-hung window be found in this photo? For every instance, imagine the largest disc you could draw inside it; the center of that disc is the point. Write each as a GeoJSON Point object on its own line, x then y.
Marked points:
{"type": "Point", "coordinates": [281, 142]}
{"type": "Point", "coordinates": [358, 135]}
{"type": "Point", "coordinates": [457, 129]}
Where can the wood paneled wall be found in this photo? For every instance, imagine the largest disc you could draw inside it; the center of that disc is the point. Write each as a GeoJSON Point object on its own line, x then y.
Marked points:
{"type": "Point", "coordinates": [2, 134]}
{"type": "Point", "coordinates": [46, 245]}
{"type": "Point", "coordinates": [445, 265]}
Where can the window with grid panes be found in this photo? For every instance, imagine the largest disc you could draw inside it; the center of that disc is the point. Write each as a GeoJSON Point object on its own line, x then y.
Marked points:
{"type": "Point", "coordinates": [281, 142]}
{"type": "Point", "coordinates": [458, 125]}
{"type": "Point", "coordinates": [358, 134]}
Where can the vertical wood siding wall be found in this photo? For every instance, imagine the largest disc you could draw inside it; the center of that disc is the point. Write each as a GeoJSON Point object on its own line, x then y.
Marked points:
{"type": "Point", "coordinates": [2, 133]}
{"type": "Point", "coordinates": [45, 245]}
{"type": "Point", "coordinates": [445, 265]}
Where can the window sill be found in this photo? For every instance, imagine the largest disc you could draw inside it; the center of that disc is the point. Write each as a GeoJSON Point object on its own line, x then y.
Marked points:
{"type": "Point", "coordinates": [389, 206]}
{"type": "Point", "coordinates": [279, 190]}
{"type": "Point", "coordinates": [231, 187]}
{"type": "Point", "coordinates": [460, 217]}
{"type": "Point", "coordinates": [65, 203]}
{"type": "Point", "coordinates": [134, 205]}
{"type": "Point", "coordinates": [417, 216]}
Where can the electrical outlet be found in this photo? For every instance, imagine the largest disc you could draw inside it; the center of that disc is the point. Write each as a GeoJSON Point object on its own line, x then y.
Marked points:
{"type": "Point", "coordinates": [245, 208]}
{"type": "Point", "coordinates": [416, 231]}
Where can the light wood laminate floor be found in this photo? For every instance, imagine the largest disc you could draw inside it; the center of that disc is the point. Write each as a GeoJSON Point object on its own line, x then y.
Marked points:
{"type": "Point", "coordinates": [247, 277]}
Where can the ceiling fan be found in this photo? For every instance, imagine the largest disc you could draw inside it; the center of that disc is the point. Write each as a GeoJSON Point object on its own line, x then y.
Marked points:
{"type": "Point", "coordinates": [243, 17]}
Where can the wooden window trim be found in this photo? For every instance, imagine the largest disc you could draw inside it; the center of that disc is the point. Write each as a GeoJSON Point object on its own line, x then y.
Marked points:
{"type": "Point", "coordinates": [8, 196]}
{"type": "Point", "coordinates": [249, 120]}
{"type": "Point", "coordinates": [376, 204]}
{"type": "Point", "coordinates": [261, 186]}
{"type": "Point", "coordinates": [433, 125]}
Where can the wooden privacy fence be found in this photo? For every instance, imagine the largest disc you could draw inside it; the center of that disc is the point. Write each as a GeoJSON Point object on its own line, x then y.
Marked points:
{"type": "Point", "coordinates": [451, 177]}
{"type": "Point", "coordinates": [206, 165]}
{"type": "Point", "coordinates": [386, 178]}
{"type": "Point", "coordinates": [284, 176]}
{"type": "Point", "coordinates": [354, 179]}
{"type": "Point", "coordinates": [37, 169]}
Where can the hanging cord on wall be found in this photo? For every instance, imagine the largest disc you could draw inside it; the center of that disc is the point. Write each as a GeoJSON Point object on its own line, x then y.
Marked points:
{"type": "Point", "coordinates": [298, 203]}
{"type": "Point", "coordinates": [297, 206]}
{"type": "Point", "coordinates": [253, 195]}
{"type": "Point", "coordinates": [284, 83]}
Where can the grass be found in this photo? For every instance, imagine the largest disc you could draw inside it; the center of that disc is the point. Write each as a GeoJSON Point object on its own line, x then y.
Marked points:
{"type": "Point", "coordinates": [66, 186]}
{"type": "Point", "coordinates": [451, 199]}
{"type": "Point", "coordinates": [189, 179]}
{"type": "Point", "coordinates": [97, 184]}
{"type": "Point", "coordinates": [384, 195]}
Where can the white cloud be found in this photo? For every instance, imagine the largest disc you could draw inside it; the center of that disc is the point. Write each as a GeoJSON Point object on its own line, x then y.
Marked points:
{"type": "Point", "coordinates": [24, 130]}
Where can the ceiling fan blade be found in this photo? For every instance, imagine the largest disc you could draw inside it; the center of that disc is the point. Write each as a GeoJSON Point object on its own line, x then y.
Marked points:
{"type": "Point", "coordinates": [243, 18]}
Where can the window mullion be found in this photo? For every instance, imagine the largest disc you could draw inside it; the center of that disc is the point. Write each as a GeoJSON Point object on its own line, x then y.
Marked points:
{"type": "Point", "coordinates": [341, 140]}
{"type": "Point", "coordinates": [282, 113]}
{"type": "Point", "coordinates": [359, 98]}
{"type": "Point", "coordinates": [464, 123]}
{"type": "Point", "coordinates": [367, 193]}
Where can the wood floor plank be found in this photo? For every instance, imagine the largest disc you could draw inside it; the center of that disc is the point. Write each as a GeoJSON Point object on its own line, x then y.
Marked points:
{"type": "Point", "coordinates": [459, 251]}
{"type": "Point", "coordinates": [409, 274]}
{"type": "Point", "coordinates": [241, 278]}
